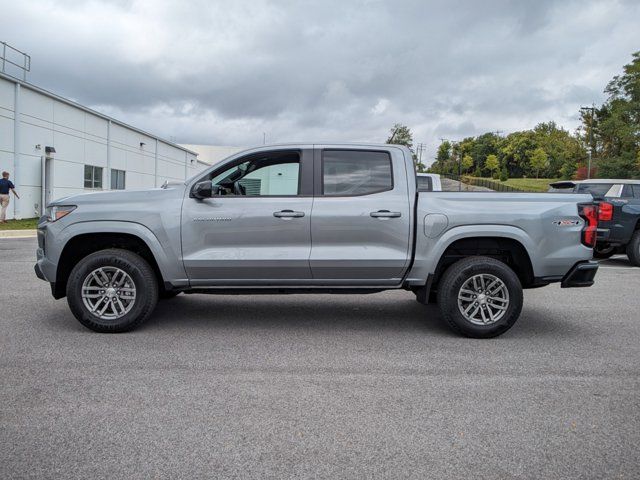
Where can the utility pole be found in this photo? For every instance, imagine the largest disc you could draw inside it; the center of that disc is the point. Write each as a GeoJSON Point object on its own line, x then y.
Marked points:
{"type": "Point", "coordinates": [592, 110]}
{"type": "Point", "coordinates": [459, 169]}
{"type": "Point", "coordinates": [420, 147]}
{"type": "Point", "coordinates": [264, 138]}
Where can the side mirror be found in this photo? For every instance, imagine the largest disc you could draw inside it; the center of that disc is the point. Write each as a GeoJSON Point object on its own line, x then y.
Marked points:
{"type": "Point", "coordinates": [205, 189]}
{"type": "Point", "coordinates": [202, 190]}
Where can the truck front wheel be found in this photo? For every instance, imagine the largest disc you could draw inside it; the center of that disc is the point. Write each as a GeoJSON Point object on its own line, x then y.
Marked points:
{"type": "Point", "coordinates": [480, 297]}
{"type": "Point", "coordinates": [112, 291]}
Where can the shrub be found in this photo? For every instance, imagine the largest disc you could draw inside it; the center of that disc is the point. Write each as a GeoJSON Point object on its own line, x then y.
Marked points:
{"type": "Point", "coordinates": [504, 175]}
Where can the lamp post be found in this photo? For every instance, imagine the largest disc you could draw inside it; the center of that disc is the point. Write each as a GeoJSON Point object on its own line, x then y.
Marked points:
{"type": "Point", "coordinates": [592, 110]}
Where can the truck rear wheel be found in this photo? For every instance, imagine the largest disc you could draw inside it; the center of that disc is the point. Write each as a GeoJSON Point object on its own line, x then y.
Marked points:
{"type": "Point", "coordinates": [480, 297]}
{"type": "Point", "coordinates": [633, 249]}
{"type": "Point", "coordinates": [602, 252]}
{"type": "Point", "coordinates": [112, 291]}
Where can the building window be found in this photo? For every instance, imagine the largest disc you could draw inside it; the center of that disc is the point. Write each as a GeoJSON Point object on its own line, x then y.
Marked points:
{"type": "Point", "coordinates": [117, 179]}
{"type": "Point", "coordinates": [92, 176]}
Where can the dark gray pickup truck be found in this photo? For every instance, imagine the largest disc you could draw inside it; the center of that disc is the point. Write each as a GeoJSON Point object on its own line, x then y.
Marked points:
{"type": "Point", "coordinates": [618, 214]}
{"type": "Point", "coordinates": [313, 218]}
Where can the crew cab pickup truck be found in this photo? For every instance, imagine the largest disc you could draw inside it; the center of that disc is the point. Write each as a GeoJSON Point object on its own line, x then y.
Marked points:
{"type": "Point", "coordinates": [306, 218]}
{"type": "Point", "coordinates": [618, 217]}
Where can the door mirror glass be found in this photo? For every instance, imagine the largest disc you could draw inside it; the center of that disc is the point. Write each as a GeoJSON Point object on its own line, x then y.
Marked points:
{"type": "Point", "coordinates": [203, 189]}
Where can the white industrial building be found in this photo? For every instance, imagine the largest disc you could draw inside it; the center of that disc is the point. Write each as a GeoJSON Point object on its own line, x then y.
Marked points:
{"type": "Point", "coordinates": [54, 147]}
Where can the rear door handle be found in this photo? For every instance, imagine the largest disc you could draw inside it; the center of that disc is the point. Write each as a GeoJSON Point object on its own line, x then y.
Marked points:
{"type": "Point", "coordinates": [385, 214]}
{"type": "Point", "coordinates": [288, 214]}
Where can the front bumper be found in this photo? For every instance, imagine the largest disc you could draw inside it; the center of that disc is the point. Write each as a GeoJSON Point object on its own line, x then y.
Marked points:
{"type": "Point", "coordinates": [580, 275]}
{"type": "Point", "coordinates": [38, 271]}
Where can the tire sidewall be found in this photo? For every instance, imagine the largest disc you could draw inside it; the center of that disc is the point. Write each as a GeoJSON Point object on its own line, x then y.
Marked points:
{"type": "Point", "coordinates": [135, 267]}
{"type": "Point", "coordinates": [605, 253]}
{"type": "Point", "coordinates": [633, 249]}
{"type": "Point", "coordinates": [458, 275]}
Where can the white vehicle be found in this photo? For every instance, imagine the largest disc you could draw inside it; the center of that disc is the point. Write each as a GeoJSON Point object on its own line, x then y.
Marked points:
{"type": "Point", "coordinates": [429, 182]}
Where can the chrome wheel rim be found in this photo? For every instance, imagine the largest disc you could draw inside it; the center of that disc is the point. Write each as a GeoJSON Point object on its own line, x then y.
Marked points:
{"type": "Point", "coordinates": [108, 293]}
{"type": "Point", "coordinates": [483, 299]}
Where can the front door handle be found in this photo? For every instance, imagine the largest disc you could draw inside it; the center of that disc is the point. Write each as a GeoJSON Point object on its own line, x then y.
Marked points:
{"type": "Point", "coordinates": [385, 214]}
{"type": "Point", "coordinates": [288, 214]}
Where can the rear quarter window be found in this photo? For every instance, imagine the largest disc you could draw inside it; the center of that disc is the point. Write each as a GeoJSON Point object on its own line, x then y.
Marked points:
{"type": "Point", "coordinates": [595, 189]}
{"type": "Point", "coordinates": [425, 184]}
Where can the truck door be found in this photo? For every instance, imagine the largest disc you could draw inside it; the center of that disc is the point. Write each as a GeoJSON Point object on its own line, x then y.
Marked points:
{"type": "Point", "coordinates": [361, 217]}
{"type": "Point", "coordinates": [255, 229]}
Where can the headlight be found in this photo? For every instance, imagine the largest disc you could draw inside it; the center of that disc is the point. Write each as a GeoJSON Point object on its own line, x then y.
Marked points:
{"type": "Point", "coordinates": [56, 212]}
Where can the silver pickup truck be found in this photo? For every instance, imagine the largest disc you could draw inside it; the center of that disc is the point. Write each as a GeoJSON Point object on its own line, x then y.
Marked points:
{"type": "Point", "coordinates": [307, 218]}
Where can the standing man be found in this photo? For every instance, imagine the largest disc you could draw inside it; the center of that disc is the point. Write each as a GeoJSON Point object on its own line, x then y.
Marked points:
{"type": "Point", "coordinates": [5, 186]}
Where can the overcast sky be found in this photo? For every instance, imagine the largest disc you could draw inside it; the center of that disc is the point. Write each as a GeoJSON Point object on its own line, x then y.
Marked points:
{"type": "Point", "coordinates": [223, 72]}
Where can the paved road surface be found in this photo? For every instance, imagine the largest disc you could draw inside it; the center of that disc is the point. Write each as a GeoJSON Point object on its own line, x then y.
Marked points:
{"type": "Point", "coordinates": [369, 386]}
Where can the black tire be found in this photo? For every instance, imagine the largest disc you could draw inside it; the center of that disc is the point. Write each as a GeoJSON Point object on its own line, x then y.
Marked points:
{"type": "Point", "coordinates": [142, 275]}
{"type": "Point", "coordinates": [602, 252]}
{"type": "Point", "coordinates": [451, 283]}
{"type": "Point", "coordinates": [633, 249]}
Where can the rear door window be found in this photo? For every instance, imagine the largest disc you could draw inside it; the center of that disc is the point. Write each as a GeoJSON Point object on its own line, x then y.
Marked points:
{"type": "Point", "coordinates": [355, 172]}
{"type": "Point", "coordinates": [627, 191]}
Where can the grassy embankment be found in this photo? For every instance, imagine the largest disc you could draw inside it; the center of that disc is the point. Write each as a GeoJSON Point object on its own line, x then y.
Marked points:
{"type": "Point", "coordinates": [528, 184]}
{"type": "Point", "coordinates": [24, 224]}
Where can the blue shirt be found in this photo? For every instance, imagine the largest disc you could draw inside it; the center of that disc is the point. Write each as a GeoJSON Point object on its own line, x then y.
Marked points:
{"type": "Point", "coordinates": [5, 185]}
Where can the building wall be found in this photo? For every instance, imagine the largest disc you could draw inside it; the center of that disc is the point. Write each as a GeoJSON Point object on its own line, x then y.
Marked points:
{"type": "Point", "coordinates": [80, 137]}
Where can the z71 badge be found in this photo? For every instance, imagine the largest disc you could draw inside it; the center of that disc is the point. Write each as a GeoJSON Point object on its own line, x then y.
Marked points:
{"type": "Point", "coordinates": [566, 223]}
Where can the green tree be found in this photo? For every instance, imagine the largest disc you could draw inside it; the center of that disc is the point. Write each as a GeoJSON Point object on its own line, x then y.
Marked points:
{"type": "Point", "coordinates": [504, 174]}
{"type": "Point", "coordinates": [491, 163]}
{"type": "Point", "coordinates": [401, 135]}
{"type": "Point", "coordinates": [467, 163]}
{"type": "Point", "coordinates": [443, 157]}
{"type": "Point", "coordinates": [615, 125]}
{"type": "Point", "coordinates": [483, 146]}
{"type": "Point", "coordinates": [563, 149]}
{"type": "Point", "coordinates": [539, 160]}
{"type": "Point", "coordinates": [515, 150]}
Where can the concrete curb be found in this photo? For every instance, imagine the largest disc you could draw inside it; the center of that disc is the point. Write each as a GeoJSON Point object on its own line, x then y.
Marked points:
{"type": "Point", "coordinates": [18, 233]}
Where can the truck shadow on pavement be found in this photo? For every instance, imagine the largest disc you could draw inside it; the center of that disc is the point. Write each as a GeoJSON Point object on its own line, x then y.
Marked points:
{"type": "Point", "coordinates": [400, 314]}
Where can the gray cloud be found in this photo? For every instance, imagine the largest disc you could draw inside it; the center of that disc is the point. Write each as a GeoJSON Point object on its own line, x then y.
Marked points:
{"type": "Point", "coordinates": [224, 72]}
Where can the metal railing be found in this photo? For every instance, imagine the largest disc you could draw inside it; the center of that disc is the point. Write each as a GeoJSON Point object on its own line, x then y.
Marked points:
{"type": "Point", "coordinates": [13, 59]}
{"type": "Point", "coordinates": [496, 186]}
{"type": "Point", "coordinates": [492, 184]}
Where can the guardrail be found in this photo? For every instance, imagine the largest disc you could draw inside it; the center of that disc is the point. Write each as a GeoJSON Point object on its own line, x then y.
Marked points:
{"type": "Point", "coordinates": [12, 57]}
{"type": "Point", "coordinates": [496, 186]}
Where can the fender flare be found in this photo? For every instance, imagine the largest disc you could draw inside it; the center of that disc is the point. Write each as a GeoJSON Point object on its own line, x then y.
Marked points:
{"type": "Point", "coordinates": [131, 228]}
{"type": "Point", "coordinates": [430, 251]}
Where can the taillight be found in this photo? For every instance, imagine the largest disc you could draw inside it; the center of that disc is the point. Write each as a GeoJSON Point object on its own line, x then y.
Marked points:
{"type": "Point", "coordinates": [589, 212]}
{"type": "Point", "coordinates": [605, 211]}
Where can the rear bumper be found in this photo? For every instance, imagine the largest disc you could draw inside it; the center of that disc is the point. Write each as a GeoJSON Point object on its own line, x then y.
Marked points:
{"type": "Point", "coordinates": [580, 275]}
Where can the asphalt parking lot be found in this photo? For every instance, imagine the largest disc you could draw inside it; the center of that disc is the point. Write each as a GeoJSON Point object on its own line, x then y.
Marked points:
{"type": "Point", "coordinates": [320, 386]}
